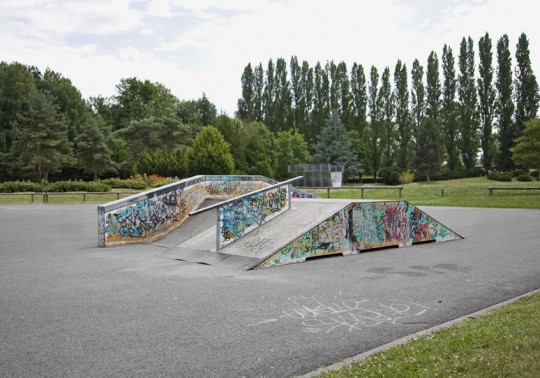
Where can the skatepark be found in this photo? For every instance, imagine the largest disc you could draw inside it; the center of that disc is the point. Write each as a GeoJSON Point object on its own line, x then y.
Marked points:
{"type": "Point", "coordinates": [169, 307]}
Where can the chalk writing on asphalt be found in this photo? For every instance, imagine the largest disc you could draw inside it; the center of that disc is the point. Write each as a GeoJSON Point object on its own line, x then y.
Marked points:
{"type": "Point", "coordinates": [325, 315]}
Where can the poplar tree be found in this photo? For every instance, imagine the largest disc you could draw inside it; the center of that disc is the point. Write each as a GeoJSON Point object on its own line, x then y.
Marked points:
{"type": "Point", "coordinates": [245, 103]}
{"type": "Point", "coordinates": [449, 108]}
{"type": "Point", "coordinates": [401, 94]}
{"type": "Point", "coordinates": [258, 91]}
{"type": "Point", "coordinates": [486, 94]}
{"type": "Point", "coordinates": [359, 97]}
{"type": "Point", "coordinates": [468, 104]}
{"type": "Point", "coordinates": [418, 96]}
{"type": "Point", "coordinates": [526, 86]}
{"type": "Point", "coordinates": [387, 106]}
{"type": "Point", "coordinates": [307, 91]}
{"type": "Point", "coordinates": [283, 117]}
{"type": "Point", "coordinates": [373, 131]}
{"type": "Point", "coordinates": [269, 97]}
{"type": "Point", "coordinates": [298, 103]}
{"type": "Point", "coordinates": [321, 110]}
{"type": "Point", "coordinates": [504, 106]}
{"type": "Point", "coordinates": [433, 88]}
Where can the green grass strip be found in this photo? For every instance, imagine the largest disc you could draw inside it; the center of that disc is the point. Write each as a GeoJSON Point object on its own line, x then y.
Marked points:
{"type": "Point", "coordinates": [501, 343]}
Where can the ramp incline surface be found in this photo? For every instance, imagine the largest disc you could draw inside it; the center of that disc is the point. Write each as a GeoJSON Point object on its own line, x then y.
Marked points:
{"type": "Point", "coordinates": [313, 227]}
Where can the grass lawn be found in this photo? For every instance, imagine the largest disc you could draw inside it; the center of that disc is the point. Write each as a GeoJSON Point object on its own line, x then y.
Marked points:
{"type": "Point", "coordinates": [470, 192]}
{"type": "Point", "coordinates": [502, 343]}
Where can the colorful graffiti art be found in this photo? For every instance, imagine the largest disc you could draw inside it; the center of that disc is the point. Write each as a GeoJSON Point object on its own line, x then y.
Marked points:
{"type": "Point", "coordinates": [362, 226]}
{"type": "Point", "coordinates": [151, 214]}
{"type": "Point", "coordinates": [237, 218]}
{"type": "Point", "coordinates": [329, 237]}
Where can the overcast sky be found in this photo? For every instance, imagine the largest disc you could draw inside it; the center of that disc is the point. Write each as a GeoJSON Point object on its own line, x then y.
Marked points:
{"type": "Point", "coordinates": [196, 46]}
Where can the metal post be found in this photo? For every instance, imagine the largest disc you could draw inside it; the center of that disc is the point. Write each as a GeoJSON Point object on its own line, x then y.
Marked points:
{"type": "Point", "coordinates": [218, 231]}
{"type": "Point", "coordinates": [289, 195]}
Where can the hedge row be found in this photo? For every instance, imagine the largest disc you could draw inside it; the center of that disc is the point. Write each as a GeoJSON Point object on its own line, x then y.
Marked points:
{"type": "Point", "coordinates": [20, 186]}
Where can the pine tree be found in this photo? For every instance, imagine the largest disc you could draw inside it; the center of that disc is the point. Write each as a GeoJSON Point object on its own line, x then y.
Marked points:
{"type": "Point", "coordinates": [468, 104]}
{"type": "Point", "coordinates": [486, 94]}
{"type": "Point", "coordinates": [429, 148]}
{"type": "Point", "coordinates": [449, 108]}
{"type": "Point", "coordinates": [210, 155]}
{"type": "Point", "coordinates": [504, 106]}
{"type": "Point", "coordinates": [92, 150]}
{"type": "Point", "coordinates": [525, 84]}
{"type": "Point", "coordinates": [41, 146]}
{"type": "Point", "coordinates": [527, 150]}
{"type": "Point", "coordinates": [334, 147]}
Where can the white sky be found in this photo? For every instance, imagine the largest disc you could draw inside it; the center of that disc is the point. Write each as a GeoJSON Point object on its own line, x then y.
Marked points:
{"type": "Point", "coordinates": [196, 46]}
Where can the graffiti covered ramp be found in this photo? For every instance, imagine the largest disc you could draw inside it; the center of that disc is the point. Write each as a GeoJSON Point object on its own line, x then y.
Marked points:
{"type": "Point", "coordinates": [312, 228]}
{"type": "Point", "coordinates": [255, 247]}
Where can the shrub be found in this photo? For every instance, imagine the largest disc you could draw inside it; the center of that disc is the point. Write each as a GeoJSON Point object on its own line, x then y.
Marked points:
{"type": "Point", "coordinates": [493, 176]}
{"type": "Point", "coordinates": [78, 186]}
{"type": "Point", "coordinates": [390, 175]}
{"type": "Point", "coordinates": [524, 177]}
{"type": "Point", "coordinates": [406, 177]}
{"type": "Point", "coordinates": [534, 174]}
{"type": "Point", "coordinates": [518, 172]}
{"type": "Point", "coordinates": [505, 177]}
{"type": "Point", "coordinates": [19, 186]}
{"type": "Point", "coordinates": [126, 184]}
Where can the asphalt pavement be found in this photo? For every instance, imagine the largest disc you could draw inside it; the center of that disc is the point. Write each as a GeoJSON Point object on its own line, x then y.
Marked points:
{"type": "Point", "coordinates": [71, 309]}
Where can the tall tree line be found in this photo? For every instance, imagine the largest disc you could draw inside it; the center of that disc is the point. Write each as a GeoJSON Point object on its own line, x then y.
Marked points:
{"type": "Point", "coordinates": [478, 108]}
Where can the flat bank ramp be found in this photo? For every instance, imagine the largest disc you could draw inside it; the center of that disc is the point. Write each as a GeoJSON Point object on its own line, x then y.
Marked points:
{"type": "Point", "coordinates": [311, 228]}
{"type": "Point", "coordinates": [255, 247]}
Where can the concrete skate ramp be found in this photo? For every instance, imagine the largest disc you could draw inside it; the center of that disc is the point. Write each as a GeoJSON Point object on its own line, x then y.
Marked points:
{"type": "Point", "coordinates": [312, 228]}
